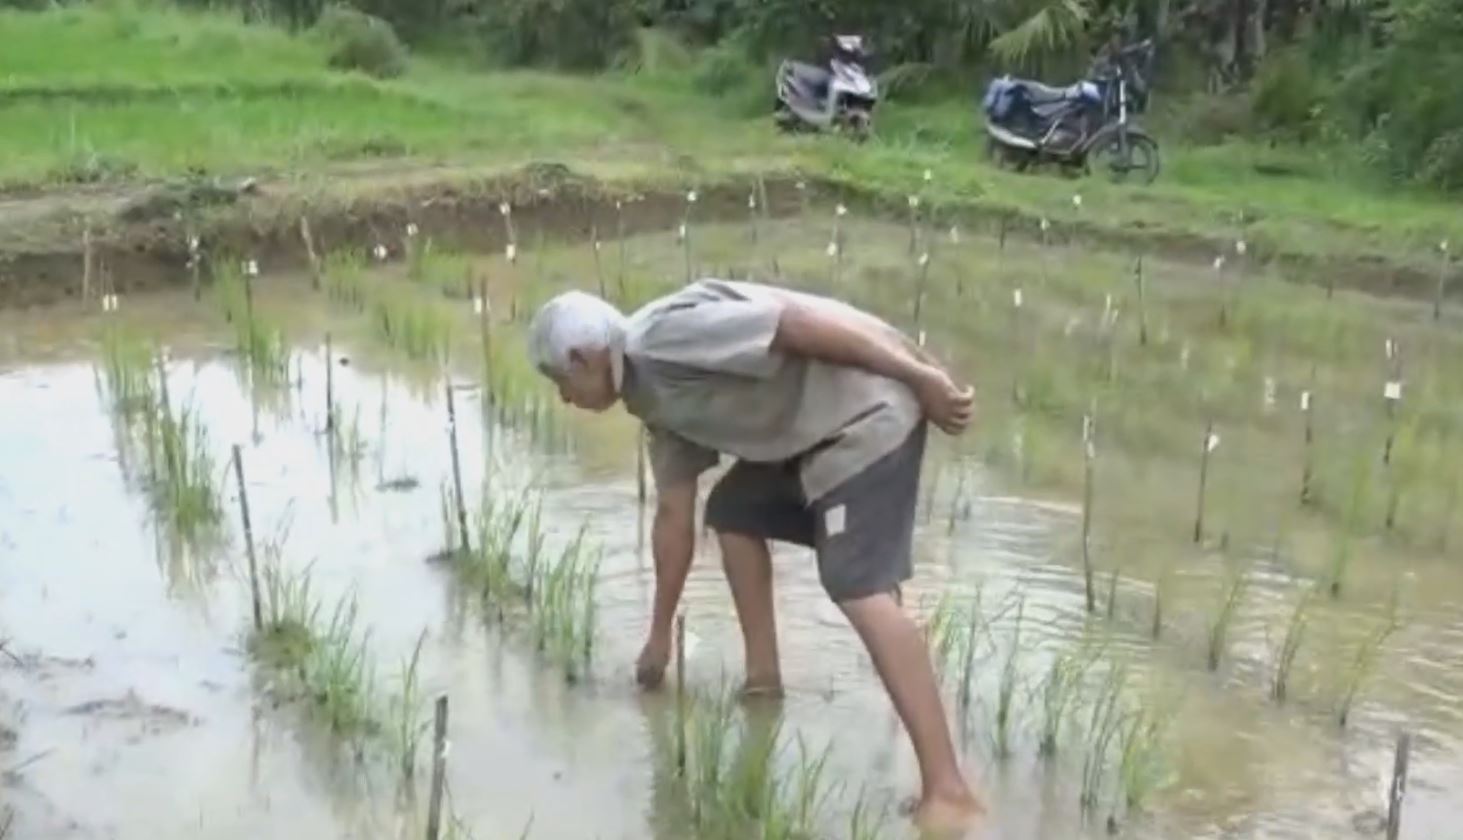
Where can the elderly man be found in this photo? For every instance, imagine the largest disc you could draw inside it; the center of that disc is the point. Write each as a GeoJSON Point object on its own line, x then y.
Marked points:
{"type": "Point", "coordinates": [825, 408]}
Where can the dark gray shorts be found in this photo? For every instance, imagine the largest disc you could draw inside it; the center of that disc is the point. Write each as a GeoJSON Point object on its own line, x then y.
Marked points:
{"type": "Point", "coordinates": [863, 530]}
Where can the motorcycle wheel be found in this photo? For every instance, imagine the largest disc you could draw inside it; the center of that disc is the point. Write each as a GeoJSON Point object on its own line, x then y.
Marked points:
{"type": "Point", "coordinates": [1137, 160]}
{"type": "Point", "coordinates": [1002, 156]}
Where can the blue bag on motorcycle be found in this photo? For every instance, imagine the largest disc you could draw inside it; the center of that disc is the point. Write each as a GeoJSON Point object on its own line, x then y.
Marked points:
{"type": "Point", "coordinates": [1000, 98]}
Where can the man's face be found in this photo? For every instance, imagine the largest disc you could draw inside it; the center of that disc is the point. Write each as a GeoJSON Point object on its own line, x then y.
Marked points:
{"type": "Point", "coordinates": [590, 382]}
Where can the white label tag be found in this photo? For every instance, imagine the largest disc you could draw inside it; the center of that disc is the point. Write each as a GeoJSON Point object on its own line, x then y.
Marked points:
{"type": "Point", "coordinates": [1393, 390]}
{"type": "Point", "coordinates": [832, 249]}
{"type": "Point", "coordinates": [512, 252]}
{"type": "Point", "coordinates": [1212, 443]}
{"type": "Point", "coordinates": [681, 231]}
{"type": "Point", "coordinates": [1016, 298]}
{"type": "Point", "coordinates": [835, 520]}
{"type": "Point", "coordinates": [1391, 349]}
{"type": "Point", "coordinates": [1305, 400]}
{"type": "Point", "coordinates": [921, 338]}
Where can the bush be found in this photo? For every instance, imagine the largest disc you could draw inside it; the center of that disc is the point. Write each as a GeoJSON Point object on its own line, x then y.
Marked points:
{"type": "Point", "coordinates": [727, 72]}
{"type": "Point", "coordinates": [1211, 120]}
{"type": "Point", "coordinates": [569, 34]}
{"type": "Point", "coordinates": [1286, 96]}
{"type": "Point", "coordinates": [359, 41]}
{"type": "Point", "coordinates": [1442, 164]}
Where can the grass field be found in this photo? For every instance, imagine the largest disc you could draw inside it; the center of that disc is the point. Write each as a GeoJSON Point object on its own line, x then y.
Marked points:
{"type": "Point", "coordinates": [124, 91]}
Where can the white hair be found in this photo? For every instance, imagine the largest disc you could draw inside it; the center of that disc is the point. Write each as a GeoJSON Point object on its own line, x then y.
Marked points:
{"type": "Point", "coordinates": [573, 321]}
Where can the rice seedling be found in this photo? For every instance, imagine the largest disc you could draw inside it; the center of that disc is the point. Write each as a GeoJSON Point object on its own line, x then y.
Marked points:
{"type": "Point", "coordinates": [1103, 725]}
{"type": "Point", "coordinates": [489, 569]}
{"type": "Point", "coordinates": [344, 274]}
{"type": "Point", "coordinates": [1289, 648]}
{"type": "Point", "coordinates": [863, 822]}
{"type": "Point", "coordinates": [127, 370]}
{"type": "Point", "coordinates": [457, 495]}
{"type": "Point", "coordinates": [337, 673]}
{"type": "Point", "coordinates": [563, 608]}
{"type": "Point", "coordinates": [1364, 661]}
{"type": "Point", "coordinates": [407, 723]}
{"type": "Point", "coordinates": [291, 614]}
{"type": "Point", "coordinates": [184, 488]}
{"type": "Point", "coordinates": [421, 329]}
{"type": "Point", "coordinates": [1141, 766]}
{"type": "Point", "coordinates": [1232, 595]}
{"type": "Point", "coordinates": [259, 342]}
{"type": "Point", "coordinates": [1060, 693]}
{"type": "Point", "coordinates": [1345, 539]}
{"type": "Point", "coordinates": [1006, 691]}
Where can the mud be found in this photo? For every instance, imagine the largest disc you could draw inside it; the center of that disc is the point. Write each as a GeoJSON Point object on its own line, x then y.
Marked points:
{"type": "Point", "coordinates": [140, 233]}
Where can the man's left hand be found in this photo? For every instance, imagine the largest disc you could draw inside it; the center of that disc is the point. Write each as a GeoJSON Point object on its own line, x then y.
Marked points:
{"type": "Point", "coordinates": [947, 405]}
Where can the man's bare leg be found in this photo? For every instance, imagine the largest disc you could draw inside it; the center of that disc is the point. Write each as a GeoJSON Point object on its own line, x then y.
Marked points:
{"type": "Point", "coordinates": [748, 565]}
{"type": "Point", "coordinates": [903, 662]}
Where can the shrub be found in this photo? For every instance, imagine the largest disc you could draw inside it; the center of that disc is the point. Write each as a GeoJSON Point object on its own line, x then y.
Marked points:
{"type": "Point", "coordinates": [359, 41]}
{"type": "Point", "coordinates": [1442, 164]}
{"type": "Point", "coordinates": [1286, 96]}
{"type": "Point", "coordinates": [570, 34]}
{"type": "Point", "coordinates": [727, 72]}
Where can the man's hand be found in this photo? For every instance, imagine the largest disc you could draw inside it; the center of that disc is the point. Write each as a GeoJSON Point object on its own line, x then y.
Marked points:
{"type": "Point", "coordinates": [650, 667]}
{"type": "Point", "coordinates": [945, 404]}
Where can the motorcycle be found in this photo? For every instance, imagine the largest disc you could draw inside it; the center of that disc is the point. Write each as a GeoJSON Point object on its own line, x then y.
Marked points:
{"type": "Point", "coordinates": [840, 96]}
{"type": "Point", "coordinates": [1086, 126]}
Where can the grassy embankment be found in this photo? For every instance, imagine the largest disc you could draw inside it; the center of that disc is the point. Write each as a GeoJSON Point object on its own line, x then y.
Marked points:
{"type": "Point", "coordinates": [118, 93]}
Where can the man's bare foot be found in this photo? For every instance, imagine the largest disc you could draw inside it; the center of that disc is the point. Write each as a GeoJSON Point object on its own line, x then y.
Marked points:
{"type": "Point", "coordinates": [650, 667]}
{"type": "Point", "coordinates": [949, 817]}
{"type": "Point", "coordinates": [762, 688]}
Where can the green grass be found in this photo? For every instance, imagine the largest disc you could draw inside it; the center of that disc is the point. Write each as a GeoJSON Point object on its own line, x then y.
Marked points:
{"type": "Point", "coordinates": [127, 369]}
{"type": "Point", "coordinates": [122, 90]}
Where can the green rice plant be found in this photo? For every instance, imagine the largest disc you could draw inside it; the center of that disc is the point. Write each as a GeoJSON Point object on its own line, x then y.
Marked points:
{"type": "Point", "coordinates": [942, 634]}
{"type": "Point", "coordinates": [562, 608]}
{"type": "Point", "coordinates": [1364, 661]}
{"type": "Point", "coordinates": [1358, 498]}
{"type": "Point", "coordinates": [419, 328]}
{"type": "Point", "coordinates": [489, 568]}
{"type": "Point", "coordinates": [338, 673]}
{"type": "Point", "coordinates": [1231, 596]}
{"type": "Point", "coordinates": [1061, 692]}
{"type": "Point", "coordinates": [229, 289]}
{"type": "Point", "coordinates": [1295, 630]}
{"type": "Point", "coordinates": [863, 822]}
{"type": "Point", "coordinates": [186, 488]}
{"type": "Point", "coordinates": [257, 339]}
{"type": "Point", "coordinates": [290, 610]}
{"type": "Point", "coordinates": [345, 278]}
{"type": "Point", "coordinates": [447, 272]}
{"type": "Point", "coordinates": [709, 732]}
{"type": "Point", "coordinates": [127, 368]}
{"type": "Point", "coordinates": [1141, 765]}
{"type": "Point", "coordinates": [1006, 691]}
{"type": "Point", "coordinates": [1103, 724]}
{"type": "Point", "coordinates": [407, 719]}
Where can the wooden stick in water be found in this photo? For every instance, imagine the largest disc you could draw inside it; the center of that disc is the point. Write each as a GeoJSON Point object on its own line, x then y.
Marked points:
{"type": "Point", "coordinates": [1442, 283]}
{"type": "Point", "coordinates": [485, 326]}
{"type": "Point", "coordinates": [640, 466]}
{"type": "Point", "coordinates": [681, 694]}
{"type": "Point", "coordinates": [1142, 303]}
{"type": "Point", "coordinates": [88, 261]}
{"type": "Point", "coordinates": [599, 272]}
{"type": "Point", "coordinates": [1308, 407]}
{"type": "Point", "coordinates": [1398, 789]}
{"type": "Point", "coordinates": [439, 769]}
{"type": "Point", "coordinates": [310, 254]}
{"type": "Point", "coordinates": [248, 538]}
{"type": "Point", "coordinates": [1089, 457]}
{"type": "Point", "coordinates": [1206, 447]}
{"type": "Point", "coordinates": [457, 469]}
{"type": "Point", "coordinates": [329, 387]}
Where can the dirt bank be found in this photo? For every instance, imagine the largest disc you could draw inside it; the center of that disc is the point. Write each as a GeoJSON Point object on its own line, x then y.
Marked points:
{"type": "Point", "coordinates": [139, 234]}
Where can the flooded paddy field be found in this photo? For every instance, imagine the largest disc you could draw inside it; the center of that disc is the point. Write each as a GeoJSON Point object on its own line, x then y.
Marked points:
{"type": "Point", "coordinates": [1196, 567]}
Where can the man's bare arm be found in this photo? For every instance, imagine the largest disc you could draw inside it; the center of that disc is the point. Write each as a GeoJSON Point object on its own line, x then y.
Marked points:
{"type": "Point", "coordinates": [672, 544]}
{"type": "Point", "coordinates": [850, 339]}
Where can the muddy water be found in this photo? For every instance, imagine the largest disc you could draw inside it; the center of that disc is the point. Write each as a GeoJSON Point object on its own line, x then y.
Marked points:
{"type": "Point", "coordinates": [139, 715]}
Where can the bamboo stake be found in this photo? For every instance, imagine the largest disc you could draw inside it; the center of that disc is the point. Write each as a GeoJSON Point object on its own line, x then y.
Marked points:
{"type": "Point", "coordinates": [1211, 442]}
{"type": "Point", "coordinates": [1089, 458]}
{"type": "Point", "coordinates": [439, 770]}
{"type": "Point", "coordinates": [1442, 282]}
{"type": "Point", "coordinates": [1142, 302]}
{"type": "Point", "coordinates": [640, 466]}
{"type": "Point", "coordinates": [329, 387]}
{"type": "Point", "coordinates": [88, 263]}
{"type": "Point", "coordinates": [1308, 407]}
{"type": "Point", "coordinates": [315, 270]}
{"type": "Point", "coordinates": [457, 469]}
{"type": "Point", "coordinates": [248, 538]}
{"type": "Point", "coordinates": [681, 694]}
{"type": "Point", "coordinates": [1397, 791]}
{"type": "Point", "coordinates": [599, 272]}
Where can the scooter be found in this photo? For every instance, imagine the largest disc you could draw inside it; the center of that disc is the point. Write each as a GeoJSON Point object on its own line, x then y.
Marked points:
{"type": "Point", "coordinates": [1086, 126]}
{"type": "Point", "coordinates": [841, 96]}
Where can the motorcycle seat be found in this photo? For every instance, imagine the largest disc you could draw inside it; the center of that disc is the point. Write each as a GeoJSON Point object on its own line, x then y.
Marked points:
{"type": "Point", "coordinates": [810, 77]}
{"type": "Point", "coordinates": [1040, 94]}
